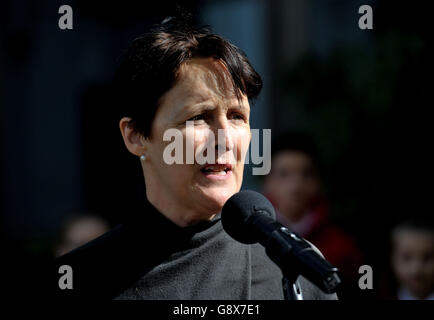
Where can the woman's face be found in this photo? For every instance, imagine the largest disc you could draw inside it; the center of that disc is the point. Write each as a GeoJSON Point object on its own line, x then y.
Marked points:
{"type": "Point", "coordinates": [203, 94]}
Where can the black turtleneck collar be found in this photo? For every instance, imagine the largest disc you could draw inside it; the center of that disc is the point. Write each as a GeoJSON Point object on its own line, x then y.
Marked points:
{"type": "Point", "coordinates": [151, 221]}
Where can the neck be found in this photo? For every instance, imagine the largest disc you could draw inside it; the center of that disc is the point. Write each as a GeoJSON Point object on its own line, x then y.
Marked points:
{"type": "Point", "coordinates": [183, 216]}
{"type": "Point", "coordinates": [405, 293]}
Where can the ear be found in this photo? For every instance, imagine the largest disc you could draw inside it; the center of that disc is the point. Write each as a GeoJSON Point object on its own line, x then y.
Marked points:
{"type": "Point", "coordinates": [133, 140]}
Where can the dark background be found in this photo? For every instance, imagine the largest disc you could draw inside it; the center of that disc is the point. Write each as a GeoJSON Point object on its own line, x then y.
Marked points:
{"type": "Point", "coordinates": [363, 95]}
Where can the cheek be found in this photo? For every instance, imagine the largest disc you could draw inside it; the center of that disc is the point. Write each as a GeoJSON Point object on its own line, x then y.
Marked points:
{"type": "Point", "coordinates": [402, 267]}
{"type": "Point", "coordinates": [199, 143]}
{"type": "Point", "coordinates": [163, 170]}
{"type": "Point", "coordinates": [310, 189]}
{"type": "Point", "coordinates": [241, 138]}
{"type": "Point", "coordinates": [155, 150]}
{"type": "Point", "coordinates": [156, 144]}
{"type": "Point", "coordinates": [202, 137]}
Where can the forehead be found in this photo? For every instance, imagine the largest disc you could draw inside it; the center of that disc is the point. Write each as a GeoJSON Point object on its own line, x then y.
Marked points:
{"type": "Point", "coordinates": [203, 79]}
{"type": "Point", "coordinates": [414, 239]}
{"type": "Point", "coordinates": [291, 159]}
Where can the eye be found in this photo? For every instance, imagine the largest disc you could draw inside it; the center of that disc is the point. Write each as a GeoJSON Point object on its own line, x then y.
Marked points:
{"type": "Point", "coordinates": [197, 117]}
{"type": "Point", "coordinates": [237, 116]}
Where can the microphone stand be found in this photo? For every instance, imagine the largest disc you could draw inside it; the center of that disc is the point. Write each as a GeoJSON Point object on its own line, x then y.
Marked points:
{"type": "Point", "coordinates": [291, 288]}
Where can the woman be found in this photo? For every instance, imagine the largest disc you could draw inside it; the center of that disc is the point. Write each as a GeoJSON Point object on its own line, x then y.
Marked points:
{"type": "Point", "coordinates": [176, 248]}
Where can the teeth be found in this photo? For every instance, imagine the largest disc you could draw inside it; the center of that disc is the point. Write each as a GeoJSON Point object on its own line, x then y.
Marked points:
{"type": "Point", "coordinates": [219, 172]}
{"type": "Point", "coordinates": [216, 169]}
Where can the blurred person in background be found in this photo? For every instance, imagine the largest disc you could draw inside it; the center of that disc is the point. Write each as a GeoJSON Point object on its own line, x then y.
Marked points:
{"type": "Point", "coordinates": [294, 188]}
{"type": "Point", "coordinates": [412, 261]}
{"type": "Point", "coordinates": [78, 230]}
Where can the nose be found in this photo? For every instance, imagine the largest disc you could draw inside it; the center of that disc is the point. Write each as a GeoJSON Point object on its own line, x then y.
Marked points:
{"type": "Point", "coordinates": [223, 134]}
{"type": "Point", "coordinates": [294, 183]}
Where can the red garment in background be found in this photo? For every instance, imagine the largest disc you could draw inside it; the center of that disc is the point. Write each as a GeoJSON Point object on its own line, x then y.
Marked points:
{"type": "Point", "coordinates": [337, 246]}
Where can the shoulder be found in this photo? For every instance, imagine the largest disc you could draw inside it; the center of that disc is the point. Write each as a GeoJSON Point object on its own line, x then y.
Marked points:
{"type": "Point", "coordinates": [92, 267]}
{"type": "Point", "coordinates": [95, 251]}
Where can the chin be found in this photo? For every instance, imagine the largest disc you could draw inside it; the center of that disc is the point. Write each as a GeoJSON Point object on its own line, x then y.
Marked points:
{"type": "Point", "coordinates": [215, 198]}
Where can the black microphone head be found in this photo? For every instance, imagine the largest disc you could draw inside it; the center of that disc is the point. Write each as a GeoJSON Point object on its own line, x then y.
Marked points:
{"type": "Point", "coordinates": [238, 211]}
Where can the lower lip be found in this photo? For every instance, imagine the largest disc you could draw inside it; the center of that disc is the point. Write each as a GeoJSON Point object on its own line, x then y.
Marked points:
{"type": "Point", "coordinates": [212, 176]}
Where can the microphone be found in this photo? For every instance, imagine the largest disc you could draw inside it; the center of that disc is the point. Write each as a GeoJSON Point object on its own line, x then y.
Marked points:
{"type": "Point", "coordinates": [249, 217]}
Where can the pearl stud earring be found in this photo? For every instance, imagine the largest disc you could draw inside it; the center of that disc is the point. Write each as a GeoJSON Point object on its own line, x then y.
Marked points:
{"type": "Point", "coordinates": [143, 157]}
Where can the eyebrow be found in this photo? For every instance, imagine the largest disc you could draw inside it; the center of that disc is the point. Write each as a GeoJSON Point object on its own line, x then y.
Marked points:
{"type": "Point", "coordinates": [194, 108]}
{"type": "Point", "coordinates": [208, 106]}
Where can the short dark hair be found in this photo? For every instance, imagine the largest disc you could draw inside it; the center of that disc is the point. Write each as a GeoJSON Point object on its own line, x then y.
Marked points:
{"type": "Point", "coordinates": [149, 68]}
{"type": "Point", "coordinates": [416, 223]}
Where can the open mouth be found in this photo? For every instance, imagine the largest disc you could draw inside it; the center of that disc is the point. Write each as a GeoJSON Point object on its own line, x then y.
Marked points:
{"type": "Point", "coordinates": [216, 169]}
